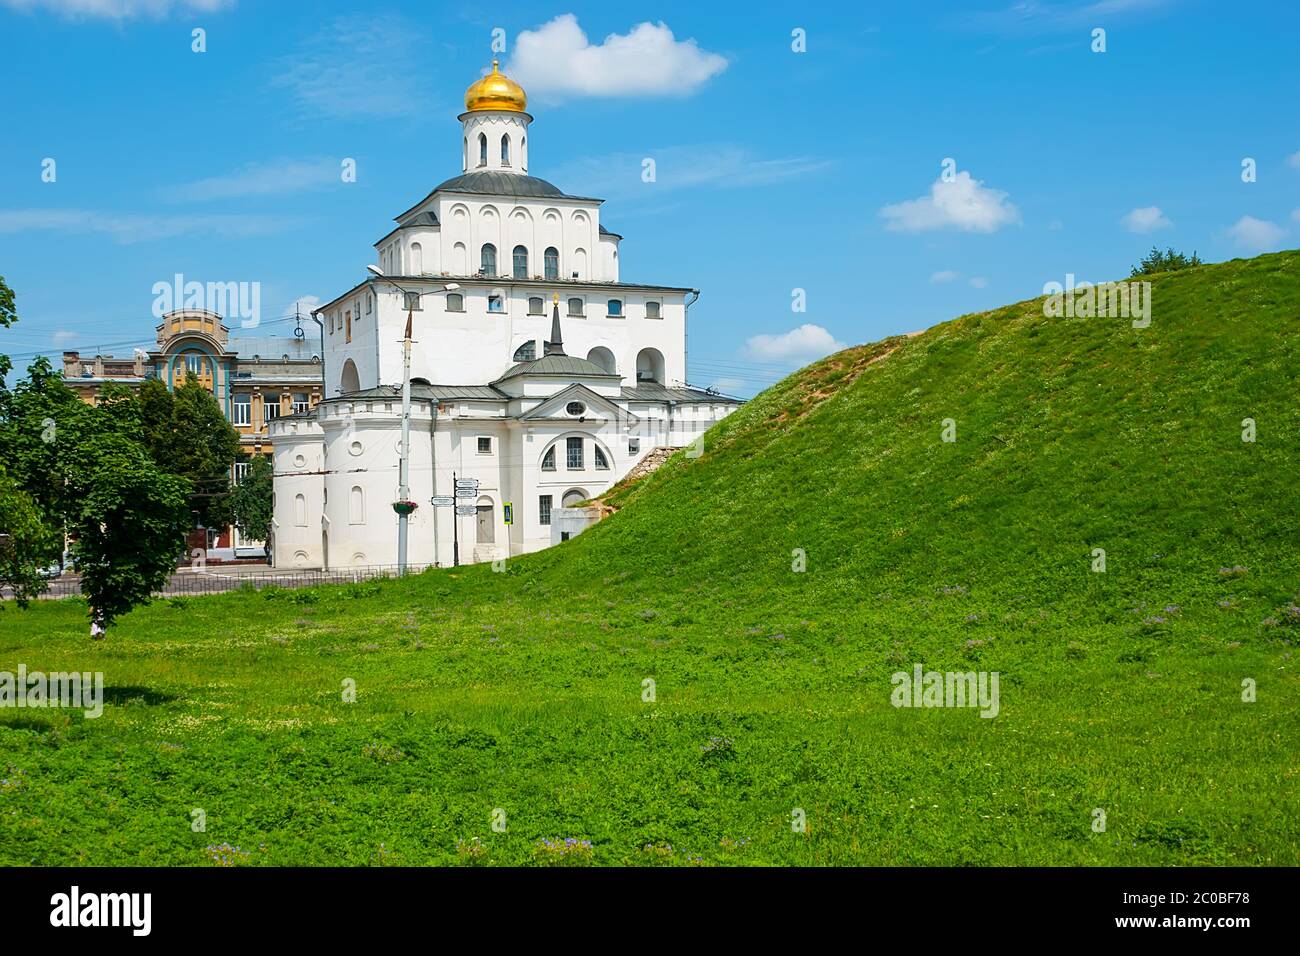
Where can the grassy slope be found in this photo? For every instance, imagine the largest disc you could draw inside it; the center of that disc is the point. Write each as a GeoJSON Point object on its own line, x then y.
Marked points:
{"type": "Point", "coordinates": [523, 690]}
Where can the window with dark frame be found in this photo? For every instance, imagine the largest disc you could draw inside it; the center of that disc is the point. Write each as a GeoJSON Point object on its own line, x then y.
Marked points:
{"type": "Point", "coordinates": [543, 509]}
{"type": "Point", "coordinates": [573, 454]}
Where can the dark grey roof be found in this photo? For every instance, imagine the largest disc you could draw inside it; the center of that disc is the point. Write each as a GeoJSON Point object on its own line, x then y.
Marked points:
{"type": "Point", "coordinates": [654, 392]}
{"type": "Point", "coordinates": [557, 365]}
{"type": "Point", "coordinates": [502, 184]}
{"type": "Point", "coordinates": [606, 232]}
{"type": "Point", "coordinates": [424, 393]}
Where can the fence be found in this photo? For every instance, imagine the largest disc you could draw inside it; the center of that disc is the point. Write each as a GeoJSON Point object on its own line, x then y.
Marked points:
{"type": "Point", "coordinates": [201, 581]}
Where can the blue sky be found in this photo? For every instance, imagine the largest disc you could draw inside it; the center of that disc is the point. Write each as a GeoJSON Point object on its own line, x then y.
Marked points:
{"type": "Point", "coordinates": [776, 170]}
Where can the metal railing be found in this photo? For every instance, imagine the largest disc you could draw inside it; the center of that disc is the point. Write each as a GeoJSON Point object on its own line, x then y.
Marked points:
{"type": "Point", "coordinates": [217, 580]}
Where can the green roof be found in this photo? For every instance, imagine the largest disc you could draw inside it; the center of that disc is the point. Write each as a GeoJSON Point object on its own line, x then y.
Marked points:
{"type": "Point", "coordinates": [557, 365]}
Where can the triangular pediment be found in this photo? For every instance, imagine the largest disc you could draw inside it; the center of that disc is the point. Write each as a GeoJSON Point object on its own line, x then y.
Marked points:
{"type": "Point", "coordinates": [597, 406]}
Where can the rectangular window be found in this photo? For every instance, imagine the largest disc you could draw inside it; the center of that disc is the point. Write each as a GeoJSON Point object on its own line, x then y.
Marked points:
{"type": "Point", "coordinates": [455, 302]}
{"type": "Point", "coordinates": [544, 509]}
{"type": "Point", "coordinates": [615, 308]}
{"type": "Point", "coordinates": [411, 301]}
{"type": "Point", "coordinates": [535, 305]}
{"type": "Point", "coordinates": [241, 471]}
{"type": "Point", "coordinates": [301, 402]}
{"type": "Point", "coordinates": [652, 310]}
{"type": "Point", "coordinates": [496, 303]}
{"type": "Point", "coordinates": [577, 308]}
{"type": "Point", "coordinates": [634, 446]}
{"type": "Point", "coordinates": [193, 363]}
{"type": "Point", "coordinates": [484, 445]}
{"type": "Point", "coordinates": [243, 409]}
{"type": "Point", "coordinates": [574, 459]}
{"type": "Point", "coordinates": [370, 304]}
{"type": "Point", "coordinates": [271, 409]}
{"type": "Point", "coordinates": [347, 325]}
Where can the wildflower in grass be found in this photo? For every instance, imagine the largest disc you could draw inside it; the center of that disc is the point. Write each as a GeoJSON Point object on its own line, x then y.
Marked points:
{"type": "Point", "coordinates": [471, 850]}
{"type": "Point", "coordinates": [717, 745]}
{"type": "Point", "coordinates": [223, 854]}
{"type": "Point", "coordinates": [658, 849]}
{"type": "Point", "coordinates": [568, 850]}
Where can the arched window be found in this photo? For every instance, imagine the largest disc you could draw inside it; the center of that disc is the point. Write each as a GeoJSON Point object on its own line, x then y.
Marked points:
{"type": "Point", "coordinates": [572, 498]}
{"type": "Point", "coordinates": [350, 381]}
{"type": "Point", "coordinates": [455, 302]}
{"type": "Point", "coordinates": [300, 511]}
{"type": "Point", "coordinates": [505, 150]}
{"type": "Point", "coordinates": [577, 307]}
{"type": "Point", "coordinates": [465, 163]}
{"type": "Point", "coordinates": [488, 260]}
{"type": "Point", "coordinates": [357, 506]}
{"type": "Point", "coordinates": [417, 259]}
{"type": "Point", "coordinates": [615, 307]}
{"type": "Point", "coordinates": [521, 262]}
{"type": "Point", "coordinates": [650, 366]}
{"type": "Point", "coordinates": [548, 460]}
{"type": "Point", "coordinates": [602, 463]}
{"type": "Point", "coordinates": [604, 358]}
{"type": "Point", "coordinates": [482, 149]}
{"type": "Point", "coordinates": [552, 262]}
{"type": "Point", "coordinates": [652, 310]}
{"type": "Point", "coordinates": [526, 352]}
{"type": "Point", "coordinates": [536, 305]}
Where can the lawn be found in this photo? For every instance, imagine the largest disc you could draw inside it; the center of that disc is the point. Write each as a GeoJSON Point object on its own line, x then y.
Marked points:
{"type": "Point", "coordinates": [521, 697]}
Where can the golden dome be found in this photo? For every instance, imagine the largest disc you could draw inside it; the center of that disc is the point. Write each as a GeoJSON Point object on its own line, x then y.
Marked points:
{"type": "Point", "coordinates": [496, 91]}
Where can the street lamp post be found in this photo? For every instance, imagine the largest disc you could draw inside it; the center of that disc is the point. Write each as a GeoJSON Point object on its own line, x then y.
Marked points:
{"type": "Point", "coordinates": [404, 505]}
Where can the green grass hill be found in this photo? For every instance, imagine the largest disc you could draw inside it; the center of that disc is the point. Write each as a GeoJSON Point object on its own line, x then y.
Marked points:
{"type": "Point", "coordinates": [763, 594]}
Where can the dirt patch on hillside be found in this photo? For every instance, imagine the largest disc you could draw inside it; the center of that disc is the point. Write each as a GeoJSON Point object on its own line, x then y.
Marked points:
{"type": "Point", "coordinates": [832, 375]}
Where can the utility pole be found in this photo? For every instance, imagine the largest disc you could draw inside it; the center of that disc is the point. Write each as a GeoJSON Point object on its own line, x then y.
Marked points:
{"type": "Point", "coordinates": [404, 462]}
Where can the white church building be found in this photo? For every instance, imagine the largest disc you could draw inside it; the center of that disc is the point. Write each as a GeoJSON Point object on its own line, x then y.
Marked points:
{"type": "Point", "coordinates": [535, 371]}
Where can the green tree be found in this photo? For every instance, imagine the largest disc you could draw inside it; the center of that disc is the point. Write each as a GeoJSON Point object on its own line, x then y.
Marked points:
{"type": "Point", "coordinates": [251, 501]}
{"type": "Point", "coordinates": [128, 518]}
{"type": "Point", "coordinates": [188, 435]}
{"type": "Point", "coordinates": [1167, 261]}
{"type": "Point", "coordinates": [27, 543]}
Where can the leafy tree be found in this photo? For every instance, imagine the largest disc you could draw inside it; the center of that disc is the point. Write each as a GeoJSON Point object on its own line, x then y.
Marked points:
{"type": "Point", "coordinates": [188, 435]}
{"type": "Point", "coordinates": [129, 520]}
{"type": "Point", "coordinates": [251, 501]}
{"type": "Point", "coordinates": [27, 543]}
{"type": "Point", "coordinates": [8, 316]}
{"type": "Point", "coordinates": [1167, 261]}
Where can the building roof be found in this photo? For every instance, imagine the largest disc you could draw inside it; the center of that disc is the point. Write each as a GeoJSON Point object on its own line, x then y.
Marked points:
{"type": "Point", "coordinates": [272, 348]}
{"type": "Point", "coordinates": [557, 364]}
{"type": "Point", "coordinates": [654, 392]}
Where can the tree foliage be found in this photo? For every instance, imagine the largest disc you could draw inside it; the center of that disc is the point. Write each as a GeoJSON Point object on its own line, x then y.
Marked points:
{"type": "Point", "coordinates": [187, 434]}
{"type": "Point", "coordinates": [27, 542]}
{"type": "Point", "coordinates": [1167, 261]}
{"type": "Point", "coordinates": [128, 518]}
{"type": "Point", "coordinates": [251, 501]}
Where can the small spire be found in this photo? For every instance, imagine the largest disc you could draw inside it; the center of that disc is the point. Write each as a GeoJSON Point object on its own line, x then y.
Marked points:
{"type": "Point", "coordinates": [494, 67]}
{"type": "Point", "coordinates": [556, 345]}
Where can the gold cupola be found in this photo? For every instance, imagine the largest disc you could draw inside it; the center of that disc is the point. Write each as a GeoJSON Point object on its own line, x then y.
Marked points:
{"type": "Point", "coordinates": [496, 91]}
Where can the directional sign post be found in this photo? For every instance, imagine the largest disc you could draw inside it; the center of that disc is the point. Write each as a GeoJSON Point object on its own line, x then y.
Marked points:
{"type": "Point", "coordinates": [442, 500]}
{"type": "Point", "coordinates": [465, 509]}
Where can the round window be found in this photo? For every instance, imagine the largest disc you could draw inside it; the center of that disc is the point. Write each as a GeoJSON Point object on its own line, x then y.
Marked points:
{"type": "Point", "coordinates": [299, 461]}
{"type": "Point", "coordinates": [575, 408]}
{"type": "Point", "coordinates": [355, 448]}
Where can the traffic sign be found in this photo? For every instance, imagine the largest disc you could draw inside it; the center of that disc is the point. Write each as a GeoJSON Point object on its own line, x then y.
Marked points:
{"type": "Point", "coordinates": [465, 509]}
{"type": "Point", "coordinates": [509, 510]}
{"type": "Point", "coordinates": [442, 500]}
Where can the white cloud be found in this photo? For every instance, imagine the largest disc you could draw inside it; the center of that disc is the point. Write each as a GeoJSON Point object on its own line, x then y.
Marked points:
{"type": "Point", "coordinates": [1036, 16]}
{"type": "Point", "coordinates": [729, 384]}
{"type": "Point", "coordinates": [718, 166]}
{"type": "Point", "coordinates": [302, 305]}
{"type": "Point", "coordinates": [62, 337]}
{"type": "Point", "coordinates": [558, 59]}
{"type": "Point", "coordinates": [1256, 235]}
{"type": "Point", "coordinates": [962, 203]}
{"type": "Point", "coordinates": [1145, 219]}
{"type": "Point", "coordinates": [128, 228]}
{"type": "Point", "coordinates": [260, 179]}
{"type": "Point", "coordinates": [804, 343]}
{"type": "Point", "coordinates": [371, 66]}
{"type": "Point", "coordinates": [945, 275]}
{"type": "Point", "coordinates": [118, 9]}
{"type": "Point", "coordinates": [978, 282]}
